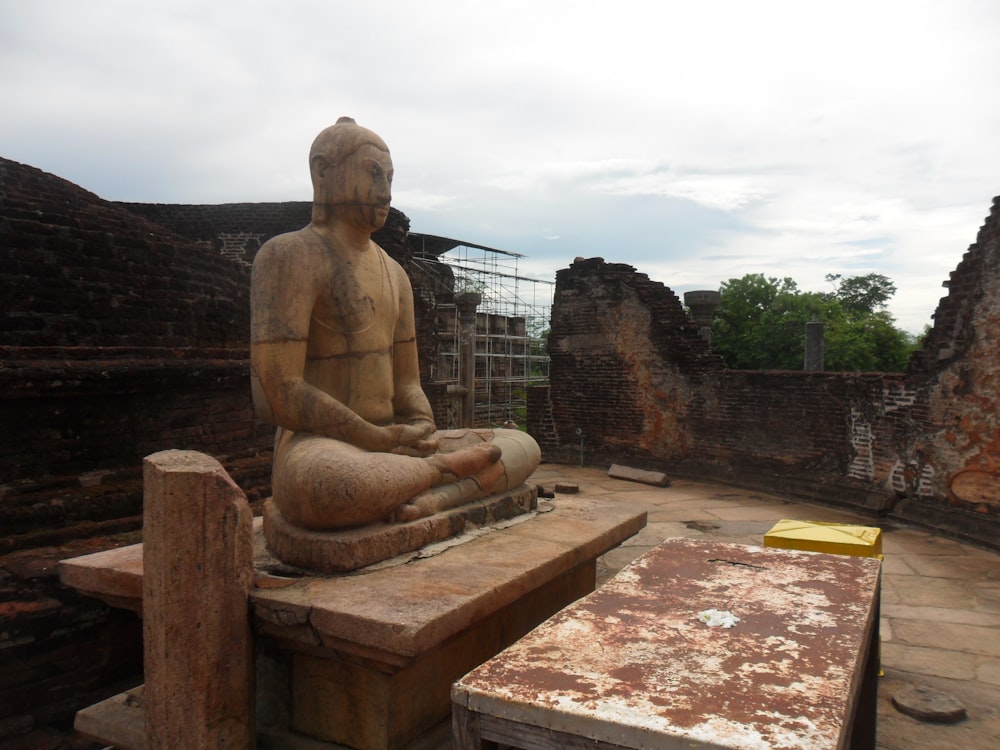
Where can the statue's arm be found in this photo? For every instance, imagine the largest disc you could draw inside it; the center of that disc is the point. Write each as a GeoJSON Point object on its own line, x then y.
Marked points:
{"type": "Point", "coordinates": [409, 403]}
{"type": "Point", "coordinates": [278, 344]}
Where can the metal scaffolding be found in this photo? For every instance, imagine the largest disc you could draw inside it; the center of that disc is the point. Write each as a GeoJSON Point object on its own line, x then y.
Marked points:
{"type": "Point", "coordinates": [512, 323]}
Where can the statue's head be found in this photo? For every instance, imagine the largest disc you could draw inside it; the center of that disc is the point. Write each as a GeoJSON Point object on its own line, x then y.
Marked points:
{"type": "Point", "coordinates": [351, 174]}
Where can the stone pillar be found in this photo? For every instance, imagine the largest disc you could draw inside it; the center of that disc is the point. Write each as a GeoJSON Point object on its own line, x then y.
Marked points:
{"type": "Point", "coordinates": [467, 304]}
{"type": "Point", "coordinates": [814, 346]}
{"type": "Point", "coordinates": [197, 572]}
{"type": "Point", "coordinates": [703, 305]}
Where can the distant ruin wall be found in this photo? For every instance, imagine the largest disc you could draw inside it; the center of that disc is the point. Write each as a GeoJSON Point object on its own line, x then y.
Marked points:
{"type": "Point", "coordinates": [955, 459]}
{"type": "Point", "coordinates": [830, 437]}
{"type": "Point", "coordinates": [626, 362]}
{"type": "Point", "coordinates": [629, 374]}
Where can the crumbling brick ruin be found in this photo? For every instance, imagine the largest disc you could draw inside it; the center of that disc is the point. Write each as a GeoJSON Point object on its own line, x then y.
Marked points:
{"type": "Point", "coordinates": [125, 332]}
{"type": "Point", "coordinates": [630, 373]}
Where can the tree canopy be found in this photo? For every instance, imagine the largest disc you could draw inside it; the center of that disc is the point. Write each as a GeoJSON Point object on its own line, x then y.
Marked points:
{"type": "Point", "coordinates": [761, 322]}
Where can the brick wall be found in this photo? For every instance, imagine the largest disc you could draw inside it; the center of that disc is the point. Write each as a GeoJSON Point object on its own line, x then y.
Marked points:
{"type": "Point", "coordinates": [629, 371]}
{"type": "Point", "coordinates": [625, 362]}
{"type": "Point", "coordinates": [119, 338]}
{"type": "Point", "coordinates": [951, 466]}
{"type": "Point", "coordinates": [825, 436]}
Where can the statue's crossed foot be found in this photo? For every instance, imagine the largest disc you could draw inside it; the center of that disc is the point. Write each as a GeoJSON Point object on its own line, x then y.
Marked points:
{"type": "Point", "coordinates": [465, 474]}
{"type": "Point", "coordinates": [464, 462]}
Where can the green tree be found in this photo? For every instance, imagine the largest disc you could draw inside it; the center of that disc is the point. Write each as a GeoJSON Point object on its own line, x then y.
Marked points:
{"type": "Point", "coordinates": [761, 324]}
{"type": "Point", "coordinates": [862, 294]}
{"type": "Point", "coordinates": [737, 329]}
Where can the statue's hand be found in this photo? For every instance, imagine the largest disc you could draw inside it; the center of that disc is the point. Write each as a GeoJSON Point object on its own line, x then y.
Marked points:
{"type": "Point", "coordinates": [414, 439]}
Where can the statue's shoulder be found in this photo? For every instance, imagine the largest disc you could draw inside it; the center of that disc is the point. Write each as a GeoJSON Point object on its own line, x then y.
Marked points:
{"type": "Point", "coordinates": [288, 255]}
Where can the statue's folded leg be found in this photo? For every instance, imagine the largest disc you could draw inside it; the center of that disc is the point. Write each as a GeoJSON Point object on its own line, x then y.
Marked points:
{"type": "Point", "coordinates": [321, 484]}
{"type": "Point", "coordinates": [519, 457]}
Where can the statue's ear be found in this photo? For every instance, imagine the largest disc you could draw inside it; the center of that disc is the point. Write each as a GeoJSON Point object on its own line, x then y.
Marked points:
{"type": "Point", "coordinates": [318, 165]}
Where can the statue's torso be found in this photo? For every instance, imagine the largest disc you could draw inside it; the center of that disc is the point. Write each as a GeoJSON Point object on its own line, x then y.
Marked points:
{"type": "Point", "coordinates": [351, 332]}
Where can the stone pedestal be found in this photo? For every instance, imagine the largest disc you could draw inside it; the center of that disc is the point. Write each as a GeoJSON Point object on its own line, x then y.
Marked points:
{"type": "Point", "coordinates": [366, 659]}
{"type": "Point", "coordinates": [351, 549]}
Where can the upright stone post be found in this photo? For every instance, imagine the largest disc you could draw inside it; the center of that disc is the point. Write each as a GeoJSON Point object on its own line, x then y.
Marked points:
{"type": "Point", "coordinates": [703, 304]}
{"type": "Point", "coordinates": [197, 572]}
{"type": "Point", "coordinates": [814, 347]}
{"type": "Point", "coordinates": [467, 304]}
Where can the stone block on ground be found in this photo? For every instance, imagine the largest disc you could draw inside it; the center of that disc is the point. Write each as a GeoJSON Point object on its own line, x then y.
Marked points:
{"type": "Point", "coordinates": [655, 478]}
{"type": "Point", "coordinates": [927, 704]}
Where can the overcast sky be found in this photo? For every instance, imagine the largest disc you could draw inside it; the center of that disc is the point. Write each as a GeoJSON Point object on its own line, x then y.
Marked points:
{"type": "Point", "coordinates": [698, 140]}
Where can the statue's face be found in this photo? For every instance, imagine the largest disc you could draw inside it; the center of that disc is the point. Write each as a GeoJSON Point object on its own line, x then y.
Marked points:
{"type": "Point", "coordinates": [360, 188]}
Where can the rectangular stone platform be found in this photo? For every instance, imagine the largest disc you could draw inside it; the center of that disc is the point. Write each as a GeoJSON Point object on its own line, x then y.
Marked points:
{"type": "Point", "coordinates": [642, 663]}
{"type": "Point", "coordinates": [366, 660]}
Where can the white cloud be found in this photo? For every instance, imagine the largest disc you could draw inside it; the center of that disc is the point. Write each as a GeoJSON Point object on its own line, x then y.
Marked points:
{"type": "Point", "coordinates": [696, 141]}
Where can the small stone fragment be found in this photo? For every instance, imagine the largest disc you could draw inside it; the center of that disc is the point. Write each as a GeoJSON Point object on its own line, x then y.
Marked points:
{"type": "Point", "coordinates": [655, 478]}
{"type": "Point", "coordinates": [927, 704]}
{"type": "Point", "coordinates": [567, 488]}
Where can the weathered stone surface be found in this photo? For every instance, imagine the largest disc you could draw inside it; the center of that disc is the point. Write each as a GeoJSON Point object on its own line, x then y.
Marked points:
{"type": "Point", "coordinates": [927, 704]}
{"type": "Point", "coordinates": [408, 609]}
{"type": "Point", "coordinates": [655, 478]}
{"type": "Point", "coordinates": [197, 573]}
{"type": "Point", "coordinates": [633, 665]}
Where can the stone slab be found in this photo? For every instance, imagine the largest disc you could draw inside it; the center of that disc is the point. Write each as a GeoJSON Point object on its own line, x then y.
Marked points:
{"type": "Point", "coordinates": [350, 549]}
{"type": "Point", "coordinates": [655, 478]}
{"type": "Point", "coordinates": [119, 719]}
{"type": "Point", "coordinates": [403, 611]}
{"type": "Point", "coordinates": [639, 663]}
{"type": "Point", "coordinates": [114, 576]}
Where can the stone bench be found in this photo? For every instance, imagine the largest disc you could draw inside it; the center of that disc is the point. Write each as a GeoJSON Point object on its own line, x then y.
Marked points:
{"type": "Point", "coordinates": [639, 664]}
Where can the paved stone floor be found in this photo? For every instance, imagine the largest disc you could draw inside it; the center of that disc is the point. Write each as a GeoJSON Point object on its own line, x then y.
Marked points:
{"type": "Point", "coordinates": [940, 598]}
